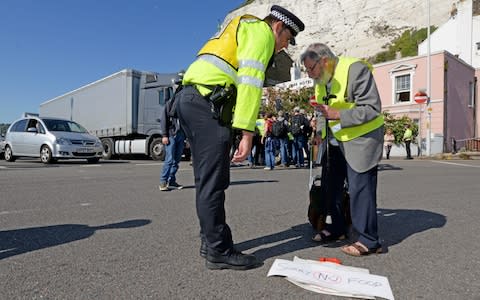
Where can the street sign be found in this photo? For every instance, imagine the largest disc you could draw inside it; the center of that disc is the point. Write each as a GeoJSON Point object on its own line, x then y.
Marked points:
{"type": "Point", "coordinates": [420, 97]}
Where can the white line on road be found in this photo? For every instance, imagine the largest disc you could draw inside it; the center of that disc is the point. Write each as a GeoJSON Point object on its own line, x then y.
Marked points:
{"type": "Point", "coordinates": [455, 164]}
{"type": "Point", "coordinates": [150, 164]}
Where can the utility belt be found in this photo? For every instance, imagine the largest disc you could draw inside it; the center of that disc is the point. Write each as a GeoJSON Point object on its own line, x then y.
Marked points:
{"type": "Point", "coordinates": [222, 101]}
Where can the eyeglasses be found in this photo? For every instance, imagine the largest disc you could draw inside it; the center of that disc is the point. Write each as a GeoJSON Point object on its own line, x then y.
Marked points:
{"type": "Point", "coordinates": [312, 67]}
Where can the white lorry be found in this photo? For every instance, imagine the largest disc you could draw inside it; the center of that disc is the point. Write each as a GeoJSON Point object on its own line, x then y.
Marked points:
{"type": "Point", "coordinates": [122, 109]}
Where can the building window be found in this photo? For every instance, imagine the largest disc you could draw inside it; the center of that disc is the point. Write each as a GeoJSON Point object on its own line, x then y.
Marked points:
{"type": "Point", "coordinates": [402, 88]}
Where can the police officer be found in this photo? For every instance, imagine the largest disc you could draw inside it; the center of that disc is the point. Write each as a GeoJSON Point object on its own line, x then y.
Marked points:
{"type": "Point", "coordinates": [356, 139]}
{"type": "Point", "coordinates": [227, 77]}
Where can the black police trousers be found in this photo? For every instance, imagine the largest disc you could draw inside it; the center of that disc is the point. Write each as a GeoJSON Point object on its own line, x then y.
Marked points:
{"type": "Point", "coordinates": [210, 145]}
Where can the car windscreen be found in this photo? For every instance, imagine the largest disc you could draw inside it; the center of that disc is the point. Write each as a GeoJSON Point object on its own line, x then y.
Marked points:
{"type": "Point", "coordinates": [63, 125]}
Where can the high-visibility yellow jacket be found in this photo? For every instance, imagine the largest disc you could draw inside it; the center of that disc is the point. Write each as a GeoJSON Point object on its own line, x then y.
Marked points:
{"type": "Point", "coordinates": [339, 89]}
{"type": "Point", "coordinates": [238, 55]}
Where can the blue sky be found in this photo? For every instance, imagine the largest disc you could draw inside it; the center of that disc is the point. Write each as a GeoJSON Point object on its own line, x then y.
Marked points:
{"type": "Point", "coordinates": [50, 47]}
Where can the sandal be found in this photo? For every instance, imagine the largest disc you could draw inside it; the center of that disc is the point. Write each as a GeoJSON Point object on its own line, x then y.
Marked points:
{"type": "Point", "coordinates": [323, 238]}
{"type": "Point", "coordinates": [358, 249]}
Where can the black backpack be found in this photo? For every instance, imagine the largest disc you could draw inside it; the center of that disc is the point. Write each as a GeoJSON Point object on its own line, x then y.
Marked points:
{"type": "Point", "coordinates": [279, 129]}
{"type": "Point", "coordinates": [296, 126]}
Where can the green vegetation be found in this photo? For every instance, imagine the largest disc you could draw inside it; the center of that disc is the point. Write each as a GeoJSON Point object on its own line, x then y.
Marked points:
{"type": "Point", "coordinates": [406, 45]}
{"type": "Point", "coordinates": [289, 99]}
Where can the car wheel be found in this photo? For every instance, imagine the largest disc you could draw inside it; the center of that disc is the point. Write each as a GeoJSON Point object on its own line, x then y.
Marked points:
{"type": "Point", "coordinates": [107, 148]}
{"type": "Point", "coordinates": [46, 155]}
{"type": "Point", "coordinates": [157, 149]}
{"type": "Point", "coordinates": [9, 154]}
{"type": "Point", "coordinates": [93, 160]}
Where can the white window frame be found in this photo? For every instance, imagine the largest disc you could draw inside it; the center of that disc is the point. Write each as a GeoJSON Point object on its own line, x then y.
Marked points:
{"type": "Point", "coordinates": [398, 71]}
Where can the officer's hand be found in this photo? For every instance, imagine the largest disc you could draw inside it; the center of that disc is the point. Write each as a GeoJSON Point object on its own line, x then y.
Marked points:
{"type": "Point", "coordinates": [317, 139]}
{"type": "Point", "coordinates": [165, 140]}
{"type": "Point", "coordinates": [244, 148]}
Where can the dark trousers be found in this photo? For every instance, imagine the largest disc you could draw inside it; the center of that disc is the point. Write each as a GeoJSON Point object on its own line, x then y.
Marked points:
{"type": "Point", "coordinates": [210, 145]}
{"type": "Point", "coordinates": [407, 147]}
{"type": "Point", "coordinates": [362, 188]}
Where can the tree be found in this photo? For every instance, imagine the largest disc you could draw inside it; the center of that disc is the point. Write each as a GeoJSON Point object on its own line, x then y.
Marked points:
{"type": "Point", "coordinates": [398, 126]}
{"type": "Point", "coordinates": [288, 99]}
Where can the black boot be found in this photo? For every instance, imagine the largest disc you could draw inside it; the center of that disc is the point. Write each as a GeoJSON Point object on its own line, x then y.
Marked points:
{"type": "Point", "coordinates": [234, 259]}
{"type": "Point", "coordinates": [203, 249]}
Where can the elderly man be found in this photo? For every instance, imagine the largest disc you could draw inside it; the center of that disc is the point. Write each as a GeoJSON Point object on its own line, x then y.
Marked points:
{"type": "Point", "coordinates": [349, 100]}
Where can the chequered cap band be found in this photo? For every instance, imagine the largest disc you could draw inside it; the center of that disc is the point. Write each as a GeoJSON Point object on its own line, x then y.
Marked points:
{"type": "Point", "coordinates": [285, 20]}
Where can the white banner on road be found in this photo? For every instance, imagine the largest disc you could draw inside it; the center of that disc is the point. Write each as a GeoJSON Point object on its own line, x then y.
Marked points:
{"type": "Point", "coordinates": [334, 278]}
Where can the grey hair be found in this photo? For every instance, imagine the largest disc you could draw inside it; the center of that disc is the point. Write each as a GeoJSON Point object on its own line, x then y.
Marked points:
{"type": "Point", "coordinates": [316, 51]}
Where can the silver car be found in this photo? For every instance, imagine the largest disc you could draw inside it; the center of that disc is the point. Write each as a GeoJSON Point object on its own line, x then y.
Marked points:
{"type": "Point", "coordinates": [51, 139]}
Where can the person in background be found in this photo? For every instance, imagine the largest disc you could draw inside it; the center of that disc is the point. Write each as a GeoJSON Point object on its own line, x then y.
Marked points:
{"type": "Point", "coordinates": [269, 143]}
{"type": "Point", "coordinates": [355, 125]}
{"type": "Point", "coordinates": [388, 138]}
{"type": "Point", "coordinates": [222, 90]}
{"type": "Point", "coordinates": [407, 138]}
{"type": "Point", "coordinates": [173, 138]}
{"type": "Point", "coordinates": [299, 127]}
{"type": "Point", "coordinates": [281, 137]}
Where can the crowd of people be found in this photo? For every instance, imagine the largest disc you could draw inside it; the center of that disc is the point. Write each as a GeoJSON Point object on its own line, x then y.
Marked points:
{"type": "Point", "coordinates": [282, 140]}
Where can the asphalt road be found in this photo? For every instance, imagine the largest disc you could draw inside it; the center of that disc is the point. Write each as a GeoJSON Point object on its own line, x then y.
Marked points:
{"type": "Point", "coordinates": [77, 231]}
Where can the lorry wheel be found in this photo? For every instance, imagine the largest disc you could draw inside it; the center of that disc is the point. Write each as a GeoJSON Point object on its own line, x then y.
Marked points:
{"type": "Point", "coordinates": [157, 149]}
{"type": "Point", "coordinates": [9, 154]}
{"type": "Point", "coordinates": [46, 154]}
{"type": "Point", "coordinates": [107, 148]}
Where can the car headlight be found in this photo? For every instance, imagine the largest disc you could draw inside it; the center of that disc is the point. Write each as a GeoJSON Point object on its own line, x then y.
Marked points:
{"type": "Point", "coordinates": [98, 143]}
{"type": "Point", "coordinates": [63, 141]}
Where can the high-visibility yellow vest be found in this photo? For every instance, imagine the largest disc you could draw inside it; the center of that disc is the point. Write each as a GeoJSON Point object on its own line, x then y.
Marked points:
{"type": "Point", "coordinates": [339, 89]}
{"type": "Point", "coordinates": [238, 55]}
{"type": "Point", "coordinates": [260, 124]}
{"type": "Point", "coordinates": [224, 43]}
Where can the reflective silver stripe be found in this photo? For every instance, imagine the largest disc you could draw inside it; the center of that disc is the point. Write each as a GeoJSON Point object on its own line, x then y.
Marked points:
{"type": "Point", "coordinates": [250, 63]}
{"type": "Point", "coordinates": [221, 64]}
{"type": "Point", "coordinates": [249, 20]}
{"type": "Point", "coordinates": [251, 81]}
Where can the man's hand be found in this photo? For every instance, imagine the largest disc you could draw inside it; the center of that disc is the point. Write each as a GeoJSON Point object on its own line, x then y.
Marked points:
{"type": "Point", "coordinates": [244, 147]}
{"type": "Point", "coordinates": [329, 112]}
{"type": "Point", "coordinates": [165, 140]}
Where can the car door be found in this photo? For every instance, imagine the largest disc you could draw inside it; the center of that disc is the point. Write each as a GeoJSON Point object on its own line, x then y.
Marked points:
{"type": "Point", "coordinates": [15, 137]}
{"type": "Point", "coordinates": [34, 138]}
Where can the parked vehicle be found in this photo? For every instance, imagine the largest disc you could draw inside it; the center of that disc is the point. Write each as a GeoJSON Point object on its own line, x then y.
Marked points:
{"type": "Point", "coordinates": [123, 110]}
{"type": "Point", "coordinates": [50, 139]}
{"type": "Point", "coordinates": [2, 146]}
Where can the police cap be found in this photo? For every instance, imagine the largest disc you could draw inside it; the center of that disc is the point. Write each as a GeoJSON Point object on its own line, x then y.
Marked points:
{"type": "Point", "coordinates": [289, 19]}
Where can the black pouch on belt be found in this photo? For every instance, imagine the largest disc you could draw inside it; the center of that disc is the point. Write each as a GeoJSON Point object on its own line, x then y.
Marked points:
{"type": "Point", "coordinates": [223, 101]}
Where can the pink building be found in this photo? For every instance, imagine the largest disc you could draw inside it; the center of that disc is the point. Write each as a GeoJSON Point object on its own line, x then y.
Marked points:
{"type": "Point", "coordinates": [454, 90]}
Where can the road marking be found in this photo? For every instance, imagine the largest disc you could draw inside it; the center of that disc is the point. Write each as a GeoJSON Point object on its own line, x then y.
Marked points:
{"type": "Point", "coordinates": [455, 164]}
{"type": "Point", "coordinates": [150, 164]}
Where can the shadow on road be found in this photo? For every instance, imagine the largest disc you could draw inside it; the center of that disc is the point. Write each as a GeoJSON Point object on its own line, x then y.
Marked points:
{"type": "Point", "coordinates": [388, 167]}
{"type": "Point", "coordinates": [296, 238]}
{"type": "Point", "coordinates": [395, 225]}
{"type": "Point", "coordinates": [238, 182]}
{"type": "Point", "coordinates": [19, 241]}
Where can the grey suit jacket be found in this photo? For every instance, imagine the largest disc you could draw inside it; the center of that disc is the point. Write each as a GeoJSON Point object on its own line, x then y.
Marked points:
{"type": "Point", "coordinates": [364, 152]}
